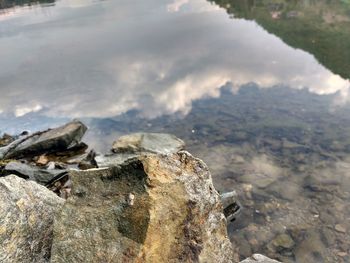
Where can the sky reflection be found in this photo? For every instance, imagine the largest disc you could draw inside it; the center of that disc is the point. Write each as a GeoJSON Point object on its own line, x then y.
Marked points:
{"type": "Point", "coordinates": [104, 58]}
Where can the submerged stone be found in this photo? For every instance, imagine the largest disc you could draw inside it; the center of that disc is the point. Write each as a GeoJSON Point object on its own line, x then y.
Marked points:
{"type": "Point", "coordinates": [282, 241]}
{"type": "Point", "coordinates": [340, 228]}
{"type": "Point", "coordinates": [26, 220]}
{"type": "Point", "coordinates": [153, 208]}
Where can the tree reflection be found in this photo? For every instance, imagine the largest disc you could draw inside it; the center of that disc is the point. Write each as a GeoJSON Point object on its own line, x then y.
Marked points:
{"type": "Point", "coordinates": [4, 4]}
{"type": "Point", "coordinates": [320, 27]}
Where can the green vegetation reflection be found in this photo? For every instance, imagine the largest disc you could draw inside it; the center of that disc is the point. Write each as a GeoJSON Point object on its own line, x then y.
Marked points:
{"type": "Point", "coordinates": [320, 27]}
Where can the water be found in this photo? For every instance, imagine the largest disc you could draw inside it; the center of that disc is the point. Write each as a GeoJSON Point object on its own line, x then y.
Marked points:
{"type": "Point", "coordinates": [268, 118]}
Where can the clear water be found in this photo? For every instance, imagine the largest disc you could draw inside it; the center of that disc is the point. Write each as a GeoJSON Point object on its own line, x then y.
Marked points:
{"type": "Point", "coordinates": [268, 118]}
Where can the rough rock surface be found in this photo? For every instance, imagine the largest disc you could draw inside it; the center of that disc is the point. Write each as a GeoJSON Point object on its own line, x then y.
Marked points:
{"type": "Point", "coordinates": [154, 208]}
{"type": "Point", "coordinates": [148, 142]}
{"type": "Point", "coordinates": [60, 138]}
{"type": "Point", "coordinates": [26, 220]}
{"type": "Point", "coordinates": [257, 258]}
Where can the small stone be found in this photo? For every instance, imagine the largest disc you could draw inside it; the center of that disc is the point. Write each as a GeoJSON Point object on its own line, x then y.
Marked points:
{"type": "Point", "coordinates": [257, 258]}
{"type": "Point", "coordinates": [5, 140]}
{"type": "Point", "coordinates": [342, 254]}
{"type": "Point", "coordinates": [43, 160]}
{"type": "Point", "coordinates": [83, 165]}
{"type": "Point", "coordinates": [131, 199]}
{"type": "Point", "coordinates": [311, 249]}
{"type": "Point", "coordinates": [328, 236]}
{"type": "Point", "coordinates": [51, 166]}
{"type": "Point", "coordinates": [340, 228]}
{"type": "Point", "coordinates": [283, 241]}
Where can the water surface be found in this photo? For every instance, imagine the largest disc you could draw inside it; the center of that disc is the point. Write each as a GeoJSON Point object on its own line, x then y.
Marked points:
{"type": "Point", "coordinates": [267, 117]}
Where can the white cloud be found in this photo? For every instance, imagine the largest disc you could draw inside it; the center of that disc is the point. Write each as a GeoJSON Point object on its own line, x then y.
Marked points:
{"type": "Point", "coordinates": [23, 110]}
{"type": "Point", "coordinates": [176, 5]}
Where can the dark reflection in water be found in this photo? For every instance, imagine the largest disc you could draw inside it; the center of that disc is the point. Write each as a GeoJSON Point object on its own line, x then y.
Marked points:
{"type": "Point", "coordinates": [12, 3]}
{"type": "Point", "coordinates": [320, 27]}
{"type": "Point", "coordinates": [270, 121]}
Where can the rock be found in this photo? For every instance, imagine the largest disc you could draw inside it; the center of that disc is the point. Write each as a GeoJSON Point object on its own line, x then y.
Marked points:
{"type": "Point", "coordinates": [26, 220]}
{"type": "Point", "coordinates": [261, 180]}
{"type": "Point", "coordinates": [321, 182]}
{"type": "Point", "coordinates": [52, 140]}
{"type": "Point", "coordinates": [154, 208]}
{"type": "Point", "coordinates": [311, 249]}
{"type": "Point", "coordinates": [327, 216]}
{"type": "Point", "coordinates": [342, 254]}
{"type": "Point", "coordinates": [282, 241]}
{"type": "Point", "coordinates": [85, 165]}
{"type": "Point", "coordinates": [62, 187]}
{"type": "Point", "coordinates": [257, 258]}
{"type": "Point", "coordinates": [245, 250]}
{"type": "Point", "coordinates": [287, 190]}
{"type": "Point", "coordinates": [340, 228]}
{"type": "Point", "coordinates": [41, 176]}
{"type": "Point", "coordinates": [6, 139]}
{"type": "Point", "coordinates": [85, 161]}
{"type": "Point", "coordinates": [113, 159]}
{"type": "Point", "coordinates": [42, 160]}
{"type": "Point", "coordinates": [328, 237]}
{"type": "Point", "coordinates": [148, 142]}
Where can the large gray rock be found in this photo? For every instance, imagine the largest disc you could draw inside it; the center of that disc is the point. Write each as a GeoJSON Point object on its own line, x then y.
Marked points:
{"type": "Point", "coordinates": [153, 208]}
{"type": "Point", "coordinates": [26, 220]}
{"type": "Point", "coordinates": [34, 173]}
{"type": "Point", "coordinates": [148, 142]}
{"type": "Point", "coordinates": [61, 138]}
{"type": "Point", "coordinates": [257, 258]}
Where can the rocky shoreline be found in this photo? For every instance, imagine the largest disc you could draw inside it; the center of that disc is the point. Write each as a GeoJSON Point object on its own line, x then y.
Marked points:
{"type": "Point", "coordinates": [148, 200]}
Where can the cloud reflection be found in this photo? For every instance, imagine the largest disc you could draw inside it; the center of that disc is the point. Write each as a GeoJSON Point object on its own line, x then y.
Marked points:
{"type": "Point", "coordinates": [93, 60]}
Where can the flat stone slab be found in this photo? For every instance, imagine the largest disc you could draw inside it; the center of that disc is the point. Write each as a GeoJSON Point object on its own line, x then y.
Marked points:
{"type": "Point", "coordinates": [113, 159]}
{"type": "Point", "coordinates": [52, 140]}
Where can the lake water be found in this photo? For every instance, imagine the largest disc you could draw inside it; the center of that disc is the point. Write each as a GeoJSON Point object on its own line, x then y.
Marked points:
{"type": "Point", "coordinates": [258, 90]}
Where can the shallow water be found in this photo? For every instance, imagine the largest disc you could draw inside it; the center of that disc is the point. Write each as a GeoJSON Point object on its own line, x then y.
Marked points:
{"type": "Point", "coordinates": [269, 119]}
